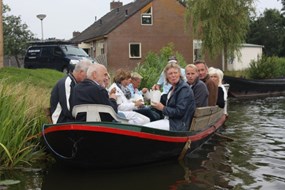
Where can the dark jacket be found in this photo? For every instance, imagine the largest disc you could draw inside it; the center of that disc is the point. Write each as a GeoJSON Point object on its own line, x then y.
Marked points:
{"type": "Point", "coordinates": [201, 93]}
{"type": "Point", "coordinates": [89, 92]}
{"type": "Point", "coordinates": [60, 100]}
{"type": "Point", "coordinates": [180, 107]}
{"type": "Point", "coordinates": [221, 99]}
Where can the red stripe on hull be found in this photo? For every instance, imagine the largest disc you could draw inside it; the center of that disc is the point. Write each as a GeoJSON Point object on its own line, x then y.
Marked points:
{"type": "Point", "coordinates": [139, 134]}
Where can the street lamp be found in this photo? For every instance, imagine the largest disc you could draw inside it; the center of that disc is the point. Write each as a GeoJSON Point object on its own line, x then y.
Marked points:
{"type": "Point", "coordinates": [41, 17]}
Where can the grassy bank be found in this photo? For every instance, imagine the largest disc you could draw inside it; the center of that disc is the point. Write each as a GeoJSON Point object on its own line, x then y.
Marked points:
{"type": "Point", "coordinates": [23, 96]}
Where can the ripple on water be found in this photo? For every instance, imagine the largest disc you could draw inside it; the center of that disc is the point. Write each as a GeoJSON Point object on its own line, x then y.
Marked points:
{"type": "Point", "coordinates": [258, 152]}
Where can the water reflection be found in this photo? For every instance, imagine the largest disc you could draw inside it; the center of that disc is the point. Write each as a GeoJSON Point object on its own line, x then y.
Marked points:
{"type": "Point", "coordinates": [199, 170]}
{"type": "Point", "coordinates": [158, 176]}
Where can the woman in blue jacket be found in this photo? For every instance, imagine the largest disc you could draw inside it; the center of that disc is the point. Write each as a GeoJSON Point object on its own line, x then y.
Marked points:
{"type": "Point", "coordinates": [180, 104]}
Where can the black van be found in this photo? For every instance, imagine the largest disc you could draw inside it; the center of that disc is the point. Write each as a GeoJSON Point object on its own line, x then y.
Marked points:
{"type": "Point", "coordinates": [61, 57]}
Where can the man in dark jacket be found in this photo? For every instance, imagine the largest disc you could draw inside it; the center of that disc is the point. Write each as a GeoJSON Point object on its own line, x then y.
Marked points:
{"type": "Point", "coordinates": [93, 91]}
{"type": "Point", "coordinates": [61, 93]}
{"type": "Point", "coordinates": [211, 85]}
{"type": "Point", "coordinates": [199, 88]}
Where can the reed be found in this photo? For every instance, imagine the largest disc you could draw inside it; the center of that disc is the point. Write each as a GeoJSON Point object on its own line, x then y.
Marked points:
{"type": "Point", "coordinates": [21, 119]}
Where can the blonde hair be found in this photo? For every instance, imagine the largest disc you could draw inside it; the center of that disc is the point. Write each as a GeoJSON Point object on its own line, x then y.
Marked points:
{"type": "Point", "coordinates": [192, 66]}
{"type": "Point", "coordinates": [169, 66]}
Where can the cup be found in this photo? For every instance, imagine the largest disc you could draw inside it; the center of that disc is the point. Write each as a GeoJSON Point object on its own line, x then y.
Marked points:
{"type": "Point", "coordinates": [155, 96]}
{"type": "Point", "coordinates": [119, 100]}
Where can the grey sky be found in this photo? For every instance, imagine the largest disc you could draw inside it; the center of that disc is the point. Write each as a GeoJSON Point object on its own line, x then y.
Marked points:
{"type": "Point", "coordinates": [66, 16]}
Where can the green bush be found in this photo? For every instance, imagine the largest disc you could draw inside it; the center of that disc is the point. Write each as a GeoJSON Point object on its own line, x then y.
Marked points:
{"type": "Point", "coordinates": [267, 67]}
{"type": "Point", "coordinates": [154, 63]}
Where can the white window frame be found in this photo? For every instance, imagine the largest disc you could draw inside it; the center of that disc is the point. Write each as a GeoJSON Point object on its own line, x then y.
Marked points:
{"type": "Point", "coordinates": [197, 46]}
{"type": "Point", "coordinates": [147, 15]}
{"type": "Point", "coordinates": [130, 50]}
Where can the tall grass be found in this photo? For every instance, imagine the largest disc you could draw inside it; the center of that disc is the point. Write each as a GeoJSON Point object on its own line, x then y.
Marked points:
{"type": "Point", "coordinates": [24, 93]}
{"type": "Point", "coordinates": [20, 122]}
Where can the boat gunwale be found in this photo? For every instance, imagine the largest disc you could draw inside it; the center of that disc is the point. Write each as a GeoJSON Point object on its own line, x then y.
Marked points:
{"type": "Point", "coordinates": [133, 130]}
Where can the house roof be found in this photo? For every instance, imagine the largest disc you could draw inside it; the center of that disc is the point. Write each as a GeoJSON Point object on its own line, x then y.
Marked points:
{"type": "Point", "coordinates": [110, 21]}
{"type": "Point", "coordinates": [252, 45]}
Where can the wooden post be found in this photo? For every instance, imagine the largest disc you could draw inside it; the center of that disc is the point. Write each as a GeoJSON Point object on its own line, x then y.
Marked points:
{"type": "Point", "coordinates": [1, 37]}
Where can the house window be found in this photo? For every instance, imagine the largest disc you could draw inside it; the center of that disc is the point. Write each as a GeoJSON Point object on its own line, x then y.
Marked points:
{"type": "Point", "coordinates": [135, 50]}
{"type": "Point", "coordinates": [147, 16]}
{"type": "Point", "coordinates": [197, 52]}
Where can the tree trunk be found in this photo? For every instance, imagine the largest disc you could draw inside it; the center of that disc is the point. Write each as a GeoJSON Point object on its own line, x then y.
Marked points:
{"type": "Point", "coordinates": [1, 36]}
{"type": "Point", "coordinates": [18, 62]}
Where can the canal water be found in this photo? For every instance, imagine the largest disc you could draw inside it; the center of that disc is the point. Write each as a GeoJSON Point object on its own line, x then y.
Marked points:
{"type": "Point", "coordinates": [249, 155]}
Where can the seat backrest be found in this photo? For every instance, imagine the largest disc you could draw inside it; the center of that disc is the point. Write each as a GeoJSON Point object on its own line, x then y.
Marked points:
{"type": "Point", "coordinates": [205, 117]}
{"type": "Point", "coordinates": [93, 112]}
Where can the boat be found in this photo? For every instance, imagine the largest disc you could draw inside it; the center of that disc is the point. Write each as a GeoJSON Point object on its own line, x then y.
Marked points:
{"type": "Point", "coordinates": [99, 144]}
{"type": "Point", "coordinates": [250, 88]}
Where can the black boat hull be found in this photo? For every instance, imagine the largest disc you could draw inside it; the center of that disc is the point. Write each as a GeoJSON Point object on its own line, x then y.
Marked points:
{"type": "Point", "coordinates": [110, 145]}
{"type": "Point", "coordinates": [246, 88]}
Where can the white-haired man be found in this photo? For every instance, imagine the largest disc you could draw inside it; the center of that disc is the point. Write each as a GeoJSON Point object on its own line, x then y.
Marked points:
{"type": "Point", "coordinates": [60, 100]}
{"type": "Point", "coordinates": [92, 90]}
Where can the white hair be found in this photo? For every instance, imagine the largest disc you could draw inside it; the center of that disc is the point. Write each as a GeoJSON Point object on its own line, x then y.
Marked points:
{"type": "Point", "coordinates": [83, 65]}
{"type": "Point", "coordinates": [218, 72]}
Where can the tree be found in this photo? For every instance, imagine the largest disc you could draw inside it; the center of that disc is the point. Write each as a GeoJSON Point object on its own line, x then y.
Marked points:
{"type": "Point", "coordinates": [221, 25]}
{"type": "Point", "coordinates": [1, 37]}
{"type": "Point", "coordinates": [16, 35]}
{"type": "Point", "coordinates": [283, 4]}
{"type": "Point", "coordinates": [268, 30]}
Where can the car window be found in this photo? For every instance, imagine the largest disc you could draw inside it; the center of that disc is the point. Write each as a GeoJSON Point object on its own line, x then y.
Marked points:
{"type": "Point", "coordinates": [34, 52]}
{"type": "Point", "coordinates": [47, 52]}
{"type": "Point", "coordinates": [58, 51]}
{"type": "Point", "coordinates": [72, 50]}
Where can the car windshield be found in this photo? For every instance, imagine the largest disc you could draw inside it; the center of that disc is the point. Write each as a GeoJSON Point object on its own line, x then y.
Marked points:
{"type": "Point", "coordinates": [72, 50]}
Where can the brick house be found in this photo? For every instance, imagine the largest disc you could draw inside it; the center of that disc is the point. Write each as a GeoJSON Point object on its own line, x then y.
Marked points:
{"type": "Point", "coordinates": [124, 36]}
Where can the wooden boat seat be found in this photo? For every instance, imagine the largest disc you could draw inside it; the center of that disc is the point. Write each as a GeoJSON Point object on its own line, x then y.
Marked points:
{"type": "Point", "coordinates": [92, 112]}
{"type": "Point", "coordinates": [205, 117]}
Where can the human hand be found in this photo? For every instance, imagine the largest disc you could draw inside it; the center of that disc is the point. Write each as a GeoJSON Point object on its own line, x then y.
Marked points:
{"type": "Point", "coordinates": [113, 91]}
{"type": "Point", "coordinates": [157, 105]}
{"type": "Point", "coordinates": [139, 103]}
{"type": "Point", "coordinates": [144, 90]}
{"type": "Point", "coordinates": [155, 87]}
{"type": "Point", "coordinates": [113, 95]}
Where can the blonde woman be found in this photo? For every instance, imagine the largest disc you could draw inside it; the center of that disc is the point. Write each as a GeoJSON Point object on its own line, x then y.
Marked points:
{"type": "Point", "coordinates": [180, 103]}
{"type": "Point", "coordinates": [217, 76]}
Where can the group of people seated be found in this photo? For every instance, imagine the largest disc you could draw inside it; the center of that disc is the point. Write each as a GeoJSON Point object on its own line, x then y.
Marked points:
{"type": "Point", "coordinates": [184, 90]}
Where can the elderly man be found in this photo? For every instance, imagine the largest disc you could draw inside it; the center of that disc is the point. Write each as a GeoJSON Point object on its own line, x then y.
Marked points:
{"type": "Point", "coordinates": [211, 85]}
{"type": "Point", "coordinates": [134, 86]}
{"type": "Point", "coordinates": [62, 92]}
{"type": "Point", "coordinates": [93, 91]}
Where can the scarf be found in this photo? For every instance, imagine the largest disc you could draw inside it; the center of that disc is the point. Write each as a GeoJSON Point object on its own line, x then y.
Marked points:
{"type": "Point", "coordinates": [125, 90]}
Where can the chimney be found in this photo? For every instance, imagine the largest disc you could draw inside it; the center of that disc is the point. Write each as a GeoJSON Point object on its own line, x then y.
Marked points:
{"type": "Point", "coordinates": [75, 33]}
{"type": "Point", "coordinates": [115, 5]}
